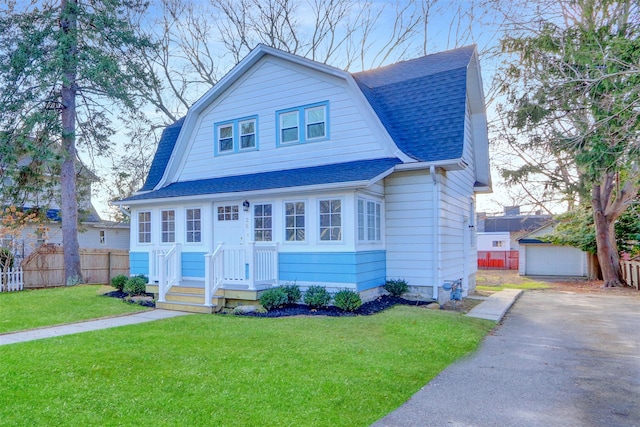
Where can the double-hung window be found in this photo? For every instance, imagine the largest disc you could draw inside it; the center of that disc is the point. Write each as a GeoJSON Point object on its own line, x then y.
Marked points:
{"type": "Point", "coordinates": [144, 227]}
{"type": "Point", "coordinates": [369, 221]}
{"type": "Point", "coordinates": [289, 129]}
{"type": "Point", "coordinates": [294, 214]}
{"type": "Point", "coordinates": [315, 122]}
{"type": "Point", "coordinates": [263, 222]}
{"type": "Point", "coordinates": [331, 220]}
{"type": "Point", "coordinates": [194, 225]}
{"type": "Point", "coordinates": [237, 135]}
{"type": "Point", "coordinates": [302, 124]}
{"type": "Point", "coordinates": [168, 226]}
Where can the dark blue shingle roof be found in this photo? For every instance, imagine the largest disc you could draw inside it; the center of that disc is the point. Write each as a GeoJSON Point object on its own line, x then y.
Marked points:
{"type": "Point", "coordinates": [163, 154]}
{"type": "Point", "coordinates": [421, 103]}
{"type": "Point", "coordinates": [327, 174]}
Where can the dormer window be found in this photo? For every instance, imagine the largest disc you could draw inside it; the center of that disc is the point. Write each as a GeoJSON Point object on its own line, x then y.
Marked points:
{"type": "Point", "coordinates": [307, 123]}
{"type": "Point", "coordinates": [237, 135]}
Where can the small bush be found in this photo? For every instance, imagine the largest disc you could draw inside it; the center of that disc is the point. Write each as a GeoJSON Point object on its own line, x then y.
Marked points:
{"type": "Point", "coordinates": [317, 297]}
{"type": "Point", "coordinates": [136, 285]}
{"type": "Point", "coordinates": [347, 300]}
{"type": "Point", "coordinates": [273, 298]}
{"type": "Point", "coordinates": [119, 281]}
{"type": "Point", "coordinates": [293, 293]}
{"type": "Point", "coordinates": [396, 287]}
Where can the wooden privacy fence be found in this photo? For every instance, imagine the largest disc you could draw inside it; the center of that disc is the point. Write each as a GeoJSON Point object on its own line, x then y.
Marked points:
{"type": "Point", "coordinates": [631, 272]}
{"type": "Point", "coordinates": [45, 266]}
{"type": "Point", "coordinates": [498, 260]}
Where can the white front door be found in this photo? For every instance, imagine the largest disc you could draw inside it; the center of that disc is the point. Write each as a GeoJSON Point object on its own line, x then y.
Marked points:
{"type": "Point", "coordinates": [232, 225]}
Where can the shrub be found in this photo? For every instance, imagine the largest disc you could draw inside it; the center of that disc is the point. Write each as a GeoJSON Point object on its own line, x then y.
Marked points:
{"type": "Point", "coordinates": [273, 298]}
{"type": "Point", "coordinates": [293, 293]}
{"type": "Point", "coordinates": [396, 287]}
{"type": "Point", "coordinates": [347, 300]}
{"type": "Point", "coordinates": [136, 285]}
{"type": "Point", "coordinates": [119, 281]}
{"type": "Point", "coordinates": [317, 296]}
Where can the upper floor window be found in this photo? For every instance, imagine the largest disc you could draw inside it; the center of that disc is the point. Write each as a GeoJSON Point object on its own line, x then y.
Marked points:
{"type": "Point", "coordinates": [369, 221]}
{"type": "Point", "coordinates": [237, 135]}
{"type": "Point", "coordinates": [102, 237]}
{"type": "Point", "coordinates": [303, 124]}
{"type": "Point", "coordinates": [168, 226]}
{"type": "Point", "coordinates": [144, 227]}
{"type": "Point", "coordinates": [498, 243]}
{"type": "Point", "coordinates": [263, 222]}
{"type": "Point", "coordinates": [330, 219]}
{"type": "Point", "coordinates": [194, 226]}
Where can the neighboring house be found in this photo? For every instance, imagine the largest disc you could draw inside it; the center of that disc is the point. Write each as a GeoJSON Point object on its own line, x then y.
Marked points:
{"type": "Point", "coordinates": [292, 171]}
{"type": "Point", "coordinates": [497, 241]}
{"type": "Point", "coordinates": [539, 258]}
{"type": "Point", "coordinates": [94, 233]}
{"type": "Point", "coordinates": [512, 222]}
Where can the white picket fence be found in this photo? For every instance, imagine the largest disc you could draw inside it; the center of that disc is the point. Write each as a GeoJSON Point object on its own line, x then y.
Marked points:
{"type": "Point", "coordinates": [11, 280]}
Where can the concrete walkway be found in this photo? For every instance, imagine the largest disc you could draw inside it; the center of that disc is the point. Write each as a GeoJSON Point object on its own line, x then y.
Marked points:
{"type": "Point", "coordinates": [557, 359]}
{"type": "Point", "coordinates": [496, 306]}
{"type": "Point", "coordinates": [90, 325]}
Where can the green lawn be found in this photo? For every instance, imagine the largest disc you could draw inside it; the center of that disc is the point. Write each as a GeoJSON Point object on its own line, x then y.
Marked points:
{"type": "Point", "coordinates": [54, 306]}
{"type": "Point", "coordinates": [215, 370]}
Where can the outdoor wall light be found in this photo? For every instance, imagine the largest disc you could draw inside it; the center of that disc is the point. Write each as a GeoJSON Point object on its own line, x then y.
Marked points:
{"type": "Point", "coordinates": [245, 206]}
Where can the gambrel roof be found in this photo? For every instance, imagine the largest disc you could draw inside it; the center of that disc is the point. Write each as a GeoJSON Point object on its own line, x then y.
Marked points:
{"type": "Point", "coordinates": [420, 103]}
{"type": "Point", "coordinates": [401, 93]}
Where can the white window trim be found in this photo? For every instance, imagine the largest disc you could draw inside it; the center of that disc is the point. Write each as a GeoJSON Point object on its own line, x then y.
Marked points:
{"type": "Point", "coordinates": [342, 225]}
{"type": "Point", "coordinates": [306, 223]}
{"type": "Point", "coordinates": [366, 241]}
{"type": "Point", "coordinates": [149, 233]}
{"type": "Point", "coordinates": [186, 230]}
{"type": "Point", "coordinates": [253, 221]}
{"type": "Point", "coordinates": [162, 222]}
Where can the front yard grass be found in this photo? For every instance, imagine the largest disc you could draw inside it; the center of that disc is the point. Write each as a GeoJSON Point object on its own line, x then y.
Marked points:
{"type": "Point", "coordinates": [524, 286]}
{"type": "Point", "coordinates": [54, 306]}
{"type": "Point", "coordinates": [225, 370]}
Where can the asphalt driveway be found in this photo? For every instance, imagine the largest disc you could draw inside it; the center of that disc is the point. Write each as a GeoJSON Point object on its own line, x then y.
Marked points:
{"type": "Point", "coordinates": [557, 359]}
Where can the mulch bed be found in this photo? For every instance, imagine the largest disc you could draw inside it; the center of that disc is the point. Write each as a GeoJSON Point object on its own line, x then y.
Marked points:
{"type": "Point", "coordinates": [372, 307]}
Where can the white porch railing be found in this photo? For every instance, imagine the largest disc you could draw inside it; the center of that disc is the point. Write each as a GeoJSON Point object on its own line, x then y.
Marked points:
{"type": "Point", "coordinates": [169, 269]}
{"type": "Point", "coordinates": [11, 280]}
{"type": "Point", "coordinates": [249, 265]}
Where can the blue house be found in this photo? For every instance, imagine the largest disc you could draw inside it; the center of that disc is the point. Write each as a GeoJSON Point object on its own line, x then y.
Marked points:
{"type": "Point", "coordinates": [292, 171]}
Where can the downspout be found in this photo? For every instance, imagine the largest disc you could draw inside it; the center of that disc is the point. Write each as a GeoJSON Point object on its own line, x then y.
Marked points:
{"type": "Point", "coordinates": [435, 206]}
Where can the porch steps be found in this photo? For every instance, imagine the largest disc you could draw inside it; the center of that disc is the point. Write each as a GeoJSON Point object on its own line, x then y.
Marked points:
{"type": "Point", "coordinates": [188, 307]}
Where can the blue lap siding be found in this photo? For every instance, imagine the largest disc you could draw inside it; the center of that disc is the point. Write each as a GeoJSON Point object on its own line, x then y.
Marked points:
{"type": "Point", "coordinates": [365, 269]}
{"type": "Point", "coordinates": [139, 263]}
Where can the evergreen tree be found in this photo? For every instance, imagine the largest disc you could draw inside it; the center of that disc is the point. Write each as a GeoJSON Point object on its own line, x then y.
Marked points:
{"type": "Point", "coordinates": [66, 67]}
{"type": "Point", "coordinates": [574, 92]}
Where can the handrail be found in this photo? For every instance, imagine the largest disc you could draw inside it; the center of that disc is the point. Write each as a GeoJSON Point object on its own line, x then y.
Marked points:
{"type": "Point", "coordinates": [212, 273]}
{"type": "Point", "coordinates": [169, 264]}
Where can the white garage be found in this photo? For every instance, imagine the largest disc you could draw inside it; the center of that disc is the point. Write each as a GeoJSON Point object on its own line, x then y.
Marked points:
{"type": "Point", "coordinates": [540, 259]}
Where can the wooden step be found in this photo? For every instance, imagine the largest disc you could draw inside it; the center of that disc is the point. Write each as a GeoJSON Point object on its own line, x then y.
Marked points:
{"type": "Point", "coordinates": [191, 298]}
{"type": "Point", "coordinates": [188, 307]}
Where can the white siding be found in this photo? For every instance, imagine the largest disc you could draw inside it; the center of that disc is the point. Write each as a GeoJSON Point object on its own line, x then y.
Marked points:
{"type": "Point", "coordinates": [271, 86]}
{"type": "Point", "coordinates": [409, 231]}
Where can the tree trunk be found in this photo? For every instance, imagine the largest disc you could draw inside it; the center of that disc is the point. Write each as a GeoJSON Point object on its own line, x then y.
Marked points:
{"type": "Point", "coordinates": [606, 241]}
{"type": "Point", "coordinates": [69, 202]}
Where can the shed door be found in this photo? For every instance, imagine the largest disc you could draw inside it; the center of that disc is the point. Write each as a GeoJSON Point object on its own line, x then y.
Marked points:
{"type": "Point", "coordinates": [549, 260]}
